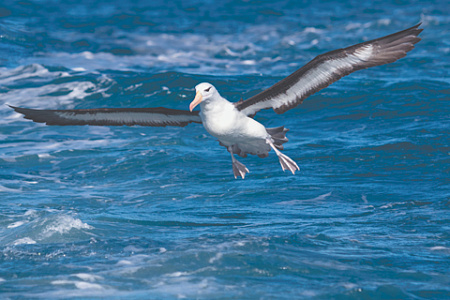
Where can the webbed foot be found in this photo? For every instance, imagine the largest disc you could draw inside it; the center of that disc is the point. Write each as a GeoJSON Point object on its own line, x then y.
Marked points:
{"type": "Point", "coordinates": [239, 169]}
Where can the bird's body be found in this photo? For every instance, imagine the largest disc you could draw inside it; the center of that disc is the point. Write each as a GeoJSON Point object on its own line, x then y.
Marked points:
{"type": "Point", "coordinates": [231, 127]}
{"type": "Point", "coordinates": [232, 123]}
{"type": "Point", "coordinates": [236, 131]}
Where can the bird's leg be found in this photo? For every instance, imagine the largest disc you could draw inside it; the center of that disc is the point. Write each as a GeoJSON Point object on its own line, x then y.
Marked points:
{"type": "Point", "coordinates": [238, 168]}
{"type": "Point", "coordinates": [285, 161]}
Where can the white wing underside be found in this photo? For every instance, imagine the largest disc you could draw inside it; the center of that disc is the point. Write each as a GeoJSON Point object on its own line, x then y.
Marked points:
{"type": "Point", "coordinates": [310, 81]}
{"type": "Point", "coordinates": [328, 68]}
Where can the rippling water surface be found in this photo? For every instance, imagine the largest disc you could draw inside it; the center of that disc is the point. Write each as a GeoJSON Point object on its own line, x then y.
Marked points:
{"type": "Point", "coordinates": [141, 212]}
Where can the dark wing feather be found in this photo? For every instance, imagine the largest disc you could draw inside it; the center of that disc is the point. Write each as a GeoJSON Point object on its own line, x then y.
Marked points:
{"type": "Point", "coordinates": [158, 116]}
{"type": "Point", "coordinates": [330, 67]}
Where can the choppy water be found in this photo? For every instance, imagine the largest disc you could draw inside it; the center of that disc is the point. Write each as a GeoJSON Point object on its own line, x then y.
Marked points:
{"type": "Point", "coordinates": [120, 212]}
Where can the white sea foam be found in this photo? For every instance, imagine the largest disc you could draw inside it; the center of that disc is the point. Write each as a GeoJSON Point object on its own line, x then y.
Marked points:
{"type": "Point", "coordinates": [47, 94]}
{"type": "Point", "coordinates": [34, 71]}
{"type": "Point", "coordinates": [133, 264]}
{"type": "Point", "coordinates": [178, 274]}
{"type": "Point", "coordinates": [82, 285]}
{"type": "Point", "coordinates": [16, 224]}
{"type": "Point", "coordinates": [364, 199]}
{"type": "Point", "coordinates": [294, 202]}
{"type": "Point", "coordinates": [349, 285]}
{"type": "Point", "coordinates": [25, 240]}
{"type": "Point", "coordinates": [30, 212]}
{"type": "Point", "coordinates": [439, 248]}
{"type": "Point", "coordinates": [50, 147]}
{"type": "Point", "coordinates": [216, 257]}
{"type": "Point", "coordinates": [79, 69]}
{"type": "Point", "coordinates": [124, 262]}
{"type": "Point", "coordinates": [87, 285]}
{"type": "Point", "coordinates": [63, 224]}
{"type": "Point", "coordinates": [25, 96]}
{"type": "Point", "coordinates": [88, 277]}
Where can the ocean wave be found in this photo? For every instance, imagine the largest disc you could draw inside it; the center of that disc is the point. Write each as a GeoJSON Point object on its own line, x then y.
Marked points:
{"type": "Point", "coordinates": [38, 228]}
{"type": "Point", "coordinates": [61, 225]}
{"type": "Point", "coordinates": [33, 72]}
{"type": "Point", "coordinates": [258, 49]}
{"type": "Point", "coordinates": [38, 86]}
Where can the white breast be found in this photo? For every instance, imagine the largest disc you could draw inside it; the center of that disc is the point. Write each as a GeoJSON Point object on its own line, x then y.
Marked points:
{"type": "Point", "coordinates": [223, 121]}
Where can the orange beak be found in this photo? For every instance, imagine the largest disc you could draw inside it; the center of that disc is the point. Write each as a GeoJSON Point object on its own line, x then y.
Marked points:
{"type": "Point", "coordinates": [198, 98]}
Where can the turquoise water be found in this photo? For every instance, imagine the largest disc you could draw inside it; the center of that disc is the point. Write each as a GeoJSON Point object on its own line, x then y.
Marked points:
{"type": "Point", "coordinates": [155, 213]}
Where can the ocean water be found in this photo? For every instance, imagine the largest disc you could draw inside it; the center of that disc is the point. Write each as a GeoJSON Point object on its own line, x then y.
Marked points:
{"type": "Point", "coordinates": [155, 213]}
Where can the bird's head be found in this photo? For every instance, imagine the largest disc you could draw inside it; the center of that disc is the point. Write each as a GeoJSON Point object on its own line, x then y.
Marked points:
{"type": "Point", "coordinates": [204, 91]}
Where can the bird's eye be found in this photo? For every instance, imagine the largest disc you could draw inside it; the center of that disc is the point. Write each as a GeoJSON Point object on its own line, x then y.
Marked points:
{"type": "Point", "coordinates": [207, 90]}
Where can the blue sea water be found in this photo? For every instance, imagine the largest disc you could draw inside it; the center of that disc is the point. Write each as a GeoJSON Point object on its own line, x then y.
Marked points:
{"type": "Point", "coordinates": [155, 213]}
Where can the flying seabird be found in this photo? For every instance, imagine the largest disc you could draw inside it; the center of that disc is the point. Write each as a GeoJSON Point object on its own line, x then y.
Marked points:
{"type": "Point", "coordinates": [232, 123]}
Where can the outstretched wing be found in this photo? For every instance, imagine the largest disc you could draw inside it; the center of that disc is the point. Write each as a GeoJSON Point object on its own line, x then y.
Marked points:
{"type": "Point", "coordinates": [158, 116]}
{"type": "Point", "coordinates": [330, 67]}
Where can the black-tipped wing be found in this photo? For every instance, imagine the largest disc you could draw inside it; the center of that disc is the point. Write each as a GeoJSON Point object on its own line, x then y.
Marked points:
{"type": "Point", "coordinates": [328, 68]}
{"type": "Point", "coordinates": [158, 116]}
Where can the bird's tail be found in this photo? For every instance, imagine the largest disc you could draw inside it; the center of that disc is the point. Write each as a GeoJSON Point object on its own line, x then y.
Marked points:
{"type": "Point", "coordinates": [278, 135]}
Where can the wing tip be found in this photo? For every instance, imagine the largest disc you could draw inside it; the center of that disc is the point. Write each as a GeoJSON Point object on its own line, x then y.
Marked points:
{"type": "Point", "coordinates": [415, 30]}
{"type": "Point", "coordinates": [15, 108]}
{"type": "Point", "coordinates": [22, 111]}
{"type": "Point", "coordinates": [29, 114]}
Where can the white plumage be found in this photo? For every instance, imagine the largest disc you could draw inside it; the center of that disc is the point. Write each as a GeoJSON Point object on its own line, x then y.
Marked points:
{"type": "Point", "coordinates": [235, 130]}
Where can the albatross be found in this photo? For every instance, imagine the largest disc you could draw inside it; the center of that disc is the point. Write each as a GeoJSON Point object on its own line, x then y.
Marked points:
{"type": "Point", "coordinates": [232, 123]}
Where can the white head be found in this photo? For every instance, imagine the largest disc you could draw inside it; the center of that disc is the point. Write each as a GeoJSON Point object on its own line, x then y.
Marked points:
{"type": "Point", "coordinates": [204, 91]}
